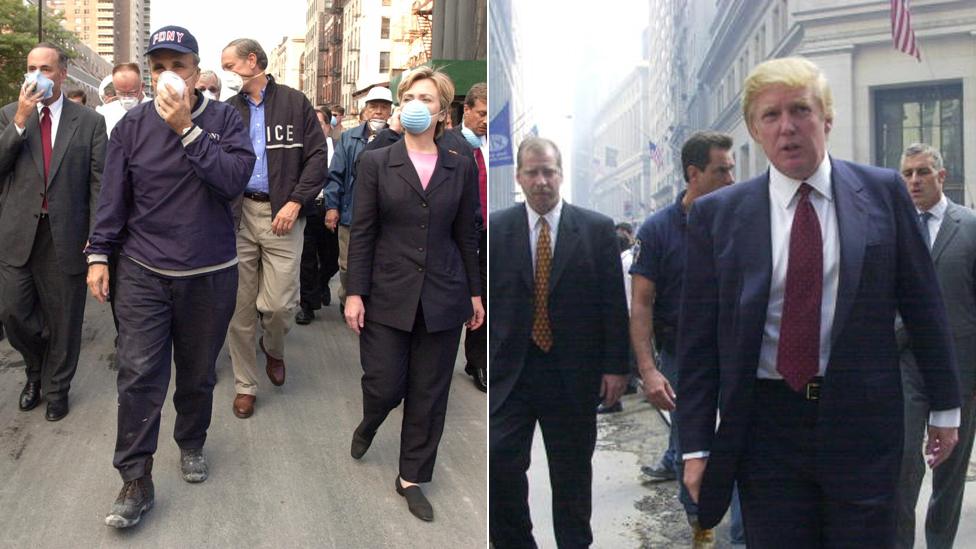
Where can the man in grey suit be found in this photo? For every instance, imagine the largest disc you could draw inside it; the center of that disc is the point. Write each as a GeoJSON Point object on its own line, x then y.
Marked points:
{"type": "Point", "coordinates": [51, 154]}
{"type": "Point", "coordinates": [950, 231]}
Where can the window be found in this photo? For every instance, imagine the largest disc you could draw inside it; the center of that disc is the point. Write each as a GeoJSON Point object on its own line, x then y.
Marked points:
{"type": "Point", "coordinates": [384, 28]}
{"type": "Point", "coordinates": [927, 114]}
{"type": "Point", "coordinates": [384, 62]}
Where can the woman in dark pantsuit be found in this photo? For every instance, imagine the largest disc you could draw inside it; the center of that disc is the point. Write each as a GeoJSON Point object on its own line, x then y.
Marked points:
{"type": "Point", "coordinates": [413, 277]}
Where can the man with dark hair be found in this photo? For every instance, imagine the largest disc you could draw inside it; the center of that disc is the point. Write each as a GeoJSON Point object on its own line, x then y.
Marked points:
{"type": "Point", "coordinates": [174, 168]}
{"type": "Point", "coordinates": [474, 130]}
{"type": "Point", "coordinates": [78, 96]}
{"type": "Point", "coordinates": [658, 272]}
{"type": "Point", "coordinates": [342, 172]}
{"type": "Point", "coordinates": [950, 231]}
{"type": "Point", "coordinates": [320, 252]}
{"type": "Point", "coordinates": [51, 155]}
{"type": "Point", "coordinates": [339, 112]}
{"type": "Point", "coordinates": [558, 344]}
{"type": "Point", "coordinates": [289, 173]}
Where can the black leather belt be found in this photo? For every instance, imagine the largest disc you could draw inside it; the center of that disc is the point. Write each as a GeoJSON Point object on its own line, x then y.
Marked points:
{"type": "Point", "coordinates": [259, 197]}
{"type": "Point", "coordinates": [811, 391]}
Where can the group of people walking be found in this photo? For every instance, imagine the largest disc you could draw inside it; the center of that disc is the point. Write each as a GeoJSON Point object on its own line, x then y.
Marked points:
{"type": "Point", "coordinates": [188, 216]}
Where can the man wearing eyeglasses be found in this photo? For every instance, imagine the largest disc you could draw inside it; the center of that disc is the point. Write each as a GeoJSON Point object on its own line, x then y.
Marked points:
{"type": "Point", "coordinates": [129, 92]}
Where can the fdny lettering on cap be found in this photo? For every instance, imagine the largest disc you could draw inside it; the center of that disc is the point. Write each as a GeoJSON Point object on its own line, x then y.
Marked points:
{"type": "Point", "coordinates": [168, 36]}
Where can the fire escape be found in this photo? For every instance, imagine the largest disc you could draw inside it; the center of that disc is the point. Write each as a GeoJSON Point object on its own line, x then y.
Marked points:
{"type": "Point", "coordinates": [423, 12]}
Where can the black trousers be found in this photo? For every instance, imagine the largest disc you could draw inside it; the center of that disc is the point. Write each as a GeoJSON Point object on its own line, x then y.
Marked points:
{"type": "Point", "coordinates": [415, 367]}
{"type": "Point", "coordinates": [476, 341]}
{"type": "Point", "coordinates": [569, 433]}
{"type": "Point", "coordinates": [783, 502]}
{"type": "Point", "coordinates": [42, 310]}
{"type": "Point", "coordinates": [164, 320]}
{"type": "Point", "coordinates": [320, 261]}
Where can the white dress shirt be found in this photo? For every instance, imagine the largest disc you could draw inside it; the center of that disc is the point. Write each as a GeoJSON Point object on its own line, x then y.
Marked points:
{"type": "Point", "coordinates": [55, 118]}
{"type": "Point", "coordinates": [552, 218]}
{"type": "Point", "coordinates": [783, 198]}
{"type": "Point", "coordinates": [938, 214]}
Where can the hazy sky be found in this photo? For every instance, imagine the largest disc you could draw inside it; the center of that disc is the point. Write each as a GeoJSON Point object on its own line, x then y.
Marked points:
{"type": "Point", "coordinates": [214, 24]}
{"type": "Point", "coordinates": [556, 38]}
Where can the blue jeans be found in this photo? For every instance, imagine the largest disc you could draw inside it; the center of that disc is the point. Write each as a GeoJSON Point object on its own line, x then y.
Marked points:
{"type": "Point", "coordinates": [672, 459]}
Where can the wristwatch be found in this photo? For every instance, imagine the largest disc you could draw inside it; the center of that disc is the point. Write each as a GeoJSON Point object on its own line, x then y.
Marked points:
{"type": "Point", "coordinates": [186, 131]}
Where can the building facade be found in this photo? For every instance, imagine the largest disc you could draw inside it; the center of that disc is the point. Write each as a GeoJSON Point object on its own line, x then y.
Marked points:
{"type": "Point", "coordinates": [505, 101]}
{"type": "Point", "coordinates": [366, 47]}
{"type": "Point", "coordinates": [286, 62]}
{"type": "Point", "coordinates": [117, 30]}
{"type": "Point", "coordinates": [322, 73]}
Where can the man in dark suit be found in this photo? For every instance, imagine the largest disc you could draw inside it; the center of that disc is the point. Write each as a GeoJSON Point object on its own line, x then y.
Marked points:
{"type": "Point", "coordinates": [558, 343]}
{"type": "Point", "coordinates": [786, 329]}
{"type": "Point", "coordinates": [51, 155]}
{"type": "Point", "coordinates": [950, 229]}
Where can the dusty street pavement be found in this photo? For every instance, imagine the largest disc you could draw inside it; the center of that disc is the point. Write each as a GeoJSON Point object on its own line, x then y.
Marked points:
{"type": "Point", "coordinates": [281, 479]}
{"type": "Point", "coordinates": [630, 513]}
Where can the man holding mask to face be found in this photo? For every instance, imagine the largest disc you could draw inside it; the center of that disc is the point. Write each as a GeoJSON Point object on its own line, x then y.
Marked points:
{"type": "Point", "coordinates": [173, 170]}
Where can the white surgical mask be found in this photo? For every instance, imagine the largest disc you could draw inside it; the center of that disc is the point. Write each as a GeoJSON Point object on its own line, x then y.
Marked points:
{"type": "Point", "coordinates": [376, 124]}
{"type": "Point", "coordinates": [128, 102]}
{"type": "Point", "coordinates": [233, 81]}
{"type": "Point", "coordinates": [209, 95]}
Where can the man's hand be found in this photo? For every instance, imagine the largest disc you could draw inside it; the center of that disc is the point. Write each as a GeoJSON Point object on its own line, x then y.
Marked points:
{"type": "Point", "coordinates": [694, 472]}
{"type": "Point", "coordinates": [355, 313]}
{"type": "Point", "coordinates": [332, 219]}
{"type": "Point", "coordinates": [612, 387]}
{"type": "Point", "coordinates": [27, 103]}
{"type": "Point", "coordinates": [285, 220]}
{"type": "Point", "coordinates": [940, 443]}
{"type": "Point", "coordinates": [657, 389]}
{"type": "Point", "coordinates": [174, 109]}
{"type": "Point", "coordinates": [98, 281]}
{"type": "Point", "coordinates": [478, 318]}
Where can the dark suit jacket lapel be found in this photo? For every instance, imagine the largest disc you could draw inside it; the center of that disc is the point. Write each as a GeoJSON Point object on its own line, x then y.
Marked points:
{"type": "Point", "coordinates": [852, 228]}
{"type": "Point", "coordinates": [948, 229]}
{"type": "Point", "coordinates": [66, 131]}
{"type": "Point", "coordinates": [401, 164]}
{"type": "Point", "coordinates": [517, 241]}
{"type": "Point", "coordinates": [447, 161]}
{"type": "Point", "coordinates": [567, 238]}
{"type": "Point", "coordinates": [33, 130]}
{"type": "Point", "coordinates": [755, 258]}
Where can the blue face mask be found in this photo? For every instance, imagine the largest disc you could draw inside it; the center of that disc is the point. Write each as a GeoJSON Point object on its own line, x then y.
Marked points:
{"type": "Point", "coordinates": [333, 122]}
{"type": "Point", "coordinates": [472, 139]}
{"type": "Point", "coordinates": [415, 117]}
{"type": "Point", "coordinates": [44, 84]}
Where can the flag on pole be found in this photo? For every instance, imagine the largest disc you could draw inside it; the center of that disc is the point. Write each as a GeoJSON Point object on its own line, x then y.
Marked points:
{"type": "Point", "coordinates": [500, 139]}
{"type": "Point", "coordinates": [902, 32]}
{"type": "Point", "coordinates": [656, 155]}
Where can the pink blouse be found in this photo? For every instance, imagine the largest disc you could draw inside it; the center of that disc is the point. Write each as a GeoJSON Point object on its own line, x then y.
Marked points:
{"type": "Point", "coordinates": [424, 164]}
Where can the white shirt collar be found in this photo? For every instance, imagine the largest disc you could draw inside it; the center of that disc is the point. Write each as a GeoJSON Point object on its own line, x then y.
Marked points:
{"type": "Point", "coordinates": [938, 211]}
{"type": "Point", "coordinates": [552, 217]}
{"type": "Point", "coordinates": [783, 188]}
{"type": "Point", "coordinates": [55, 107]}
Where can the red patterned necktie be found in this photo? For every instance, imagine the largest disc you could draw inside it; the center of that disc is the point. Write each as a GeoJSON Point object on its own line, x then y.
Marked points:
{"type": "Point", "coordinates": [482, 184]}
{"type": "Point", "coordinates": [798, 356]}
{"type": "Point", "coordinates": [541, 330]}
{"type": "Point", "coordinates": [46, 147]}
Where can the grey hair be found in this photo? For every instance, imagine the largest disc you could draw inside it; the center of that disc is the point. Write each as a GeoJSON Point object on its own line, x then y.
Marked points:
{"type": "Point", "coordinates": [246, 46]}
{"type": "Point", "coordinates": [916, 149]}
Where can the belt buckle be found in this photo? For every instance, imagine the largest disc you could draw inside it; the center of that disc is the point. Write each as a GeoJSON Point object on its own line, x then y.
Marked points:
{"type": "Point", "coordinates": [813, 391]}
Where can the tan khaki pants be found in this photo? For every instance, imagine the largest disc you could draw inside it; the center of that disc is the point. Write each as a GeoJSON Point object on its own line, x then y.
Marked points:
{"type": "Point", "coordinates": [343, 261]}
{"type": "Point", "coordinates": [267, 286]}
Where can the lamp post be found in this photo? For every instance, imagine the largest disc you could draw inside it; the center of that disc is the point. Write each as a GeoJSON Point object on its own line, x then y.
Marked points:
{"type": "Point", "coordinates": [40, 21]}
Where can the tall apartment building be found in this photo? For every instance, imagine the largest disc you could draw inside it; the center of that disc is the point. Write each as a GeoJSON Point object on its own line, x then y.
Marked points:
{"type": "Point", "coordinates": [117, 30]}
{"type": "Point", "coordinates": [286, 62]}
{"type": "Point", "coordinates": [366, 47]}
{"type": "Point", "coordinates": [323, 52]}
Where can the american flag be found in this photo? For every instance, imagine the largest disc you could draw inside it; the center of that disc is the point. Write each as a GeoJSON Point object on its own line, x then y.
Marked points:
{"type": "Point", "coordinates": [901, 29]}
{"type": "Point", "coordinates": [656, 155]}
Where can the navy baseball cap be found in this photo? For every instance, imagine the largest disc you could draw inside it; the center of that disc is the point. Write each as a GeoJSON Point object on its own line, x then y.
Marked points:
{"type": "Point", "coordinates": [173, 38]}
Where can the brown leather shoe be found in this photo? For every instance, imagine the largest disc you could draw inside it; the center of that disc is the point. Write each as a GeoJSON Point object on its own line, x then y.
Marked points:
{"type": "Point", "coordinates": [244, 406]}
{"type": "Point", "coordinates": [275, 367]}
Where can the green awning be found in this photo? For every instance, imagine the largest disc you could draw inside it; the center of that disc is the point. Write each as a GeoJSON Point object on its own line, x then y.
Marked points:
{"type": "Point", "coordinates": [464, 74]}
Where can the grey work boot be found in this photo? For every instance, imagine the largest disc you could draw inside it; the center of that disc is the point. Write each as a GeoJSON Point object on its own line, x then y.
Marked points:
{"type": "Point", "coordinates": [193, 464]}
{"type": "Point", "coordinates": [137, 497]}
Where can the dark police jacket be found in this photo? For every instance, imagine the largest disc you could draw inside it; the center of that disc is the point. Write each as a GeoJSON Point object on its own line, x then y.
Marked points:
{"type": "Point", "coordinates": [295, 146]}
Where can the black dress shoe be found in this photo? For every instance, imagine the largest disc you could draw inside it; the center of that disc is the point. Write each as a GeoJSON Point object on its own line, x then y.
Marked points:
{"type": "Point", "coordinates": [30, 396]}
{"type": "Point", "coordinates": [416, 501]}
{"type": "Point", "coordinates": [327, 297]}
{"type": "Point", "coordinates": [56, 409]}
{"type": "Point", "coordinates": [304, 316]}
{"type": "Point", "coordinates": [360, 443]}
